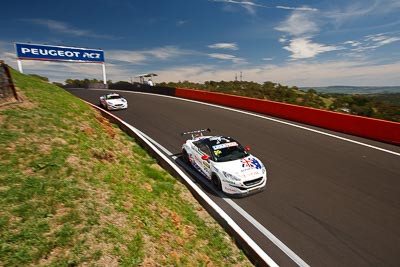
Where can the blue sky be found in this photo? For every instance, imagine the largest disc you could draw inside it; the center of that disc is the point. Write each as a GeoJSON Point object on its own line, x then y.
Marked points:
{"type": "Point", "coordinates": [291, 42]}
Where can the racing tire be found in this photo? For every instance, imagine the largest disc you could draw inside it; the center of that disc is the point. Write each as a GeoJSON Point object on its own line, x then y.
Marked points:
{"type": "Point", "coordinates": [216, 182]}
{"type": "Point", "coordinates": [185, 158]}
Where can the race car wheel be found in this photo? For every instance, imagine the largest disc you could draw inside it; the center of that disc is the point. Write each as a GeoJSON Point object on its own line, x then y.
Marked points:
{"type": "Point", "coordinates": [216, 182]}
{"type": "Point", "coordinates": [185, 157]}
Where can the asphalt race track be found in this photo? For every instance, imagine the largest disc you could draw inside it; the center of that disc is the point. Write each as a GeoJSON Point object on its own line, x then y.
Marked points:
{"type": "Point", "coordinates": [330, 201]}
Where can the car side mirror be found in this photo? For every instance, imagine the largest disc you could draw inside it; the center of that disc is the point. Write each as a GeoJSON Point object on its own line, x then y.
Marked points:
{"type": "Point", "coordinates": [247, 148]}
{"type": "Point", "coordinates": [205, 157]}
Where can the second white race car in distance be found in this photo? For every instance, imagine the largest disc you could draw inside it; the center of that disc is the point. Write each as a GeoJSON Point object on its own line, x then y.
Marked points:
{"type": "Point", "coordinates": [113, 101]}
{"type": "Point", "coordinates": [225, 162]}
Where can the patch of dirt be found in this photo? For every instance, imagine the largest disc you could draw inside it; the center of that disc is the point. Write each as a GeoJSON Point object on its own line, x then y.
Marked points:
{"type": "Point", "coordinates": [106, 125]}
{"type": "Point", "coordinates": [87, 130]}
{"type": "Point", "coordinates": [147, 187]}
{"type": "Point", "coordinates": [102, 155]}
{"type": "Point", "coordinates": [22, 101]}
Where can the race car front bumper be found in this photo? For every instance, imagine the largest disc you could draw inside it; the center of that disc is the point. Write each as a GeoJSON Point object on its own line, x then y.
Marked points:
{"type": "Point", "coordinates": [117, 106]}
{"type": "Point", "coordinates": [245, 188]}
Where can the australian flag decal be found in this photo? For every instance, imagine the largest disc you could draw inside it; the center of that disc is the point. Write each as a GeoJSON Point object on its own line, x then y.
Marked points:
{"type": "Point", "coordinates": [250, 163]}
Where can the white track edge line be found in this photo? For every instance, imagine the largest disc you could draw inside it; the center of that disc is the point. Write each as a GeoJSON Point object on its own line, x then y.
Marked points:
{"type": "Point", "coordinates": [291, 254]}
{"type": "Point", "coordinates": [267, 259]}
{"type": "Point", "coordinates": [261, 253]}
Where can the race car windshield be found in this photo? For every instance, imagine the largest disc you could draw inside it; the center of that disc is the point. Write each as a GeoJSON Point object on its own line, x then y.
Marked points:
{"type": "Point", "coordinates": [114, 97]}
{"type": "Point", "coordinates": [228, 152]}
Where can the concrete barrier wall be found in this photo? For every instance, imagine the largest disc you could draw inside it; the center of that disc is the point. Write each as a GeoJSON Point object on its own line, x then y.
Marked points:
{"type": "Point", "coordinates": [381, 130]}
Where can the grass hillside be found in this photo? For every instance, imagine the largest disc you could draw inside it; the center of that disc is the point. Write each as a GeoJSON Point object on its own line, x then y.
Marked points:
{"type": "Point", "coordinates": [77, 191]}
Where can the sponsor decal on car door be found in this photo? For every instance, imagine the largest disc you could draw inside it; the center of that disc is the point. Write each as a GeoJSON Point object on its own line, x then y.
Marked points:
{"type": "Point", "coordinates": [207, 168]}
{"type": "Point", "coordinates": [204, 164]}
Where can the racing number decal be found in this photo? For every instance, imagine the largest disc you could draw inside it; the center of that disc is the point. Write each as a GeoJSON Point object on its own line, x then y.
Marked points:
{"type": "Point", "coordinates": [206, 166]}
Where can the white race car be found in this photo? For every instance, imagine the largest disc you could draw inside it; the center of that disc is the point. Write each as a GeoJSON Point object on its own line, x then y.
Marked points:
{"type": "Point", "coordinates": [113, 101]}
{"type": "Point", "coordinates": [224, 162]}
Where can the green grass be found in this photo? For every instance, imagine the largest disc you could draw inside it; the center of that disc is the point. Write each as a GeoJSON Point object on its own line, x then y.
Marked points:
{"type": "Point", "coordinates": [75, 190]}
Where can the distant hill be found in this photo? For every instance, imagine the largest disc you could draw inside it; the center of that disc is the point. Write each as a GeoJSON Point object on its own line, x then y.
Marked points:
{"type": "Point", "coordinates": [356, 89]}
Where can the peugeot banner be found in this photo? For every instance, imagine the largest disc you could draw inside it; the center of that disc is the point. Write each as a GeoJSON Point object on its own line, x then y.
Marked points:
{"type": "Point", "coordinates": [58, 53]}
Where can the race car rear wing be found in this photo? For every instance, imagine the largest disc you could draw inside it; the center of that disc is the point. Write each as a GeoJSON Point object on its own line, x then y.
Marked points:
{"type": "Point", "coordinates": [197, 133]}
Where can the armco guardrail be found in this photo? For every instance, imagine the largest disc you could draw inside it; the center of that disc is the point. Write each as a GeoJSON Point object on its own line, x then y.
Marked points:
{"type": "Point", "coordinates": [380, 130]}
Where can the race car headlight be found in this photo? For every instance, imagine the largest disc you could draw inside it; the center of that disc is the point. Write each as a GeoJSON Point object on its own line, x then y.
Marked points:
{"type": "Point", "coordinates": [231, 177]}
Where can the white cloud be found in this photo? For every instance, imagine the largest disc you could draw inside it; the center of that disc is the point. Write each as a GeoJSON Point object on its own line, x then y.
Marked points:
{"type": "Point", "coordinates": [230, 46]}
{"type": "Point", "coordinates": [61, 27]}
{"type": "Point", "coordinates": [301, 27]}
{"type": "Point", "coordinates": [222, 56]}
{"type": "Point", "coordinates": [298, 8]}
{"type": "Point", "coordinates": [294, 74]}
{"type": "Point", "coordinates": [283, 39]}
{"type": "Point", "coordinates": [382, 39]}
{"type": "Point", "coordinates": [57, 26]}
{"type": "Point", "coordinates": [166, 52]}
{"type": "Point", "coordinates": [361, 10]}
{"type": "Point", "coordinates": [388, 6]}
{"type": "Point", "coordinates": [242, 3]}
{"type": "Point", "coordinates": [126, 56]}
{"type": "Point", "coordinates": [248, 5]}
{"type": "Point", "coordinates": [352, 11]}
{"type": "Point", "coordinates": [352, 43]}
{"type": "Point", "coordinates": [335, 73]}
{"type": "Point", "coordinates": [7, 52]}
{"type": "Point", "coordinates": [372, 42]}
{"type": "Point", "coordinates": [181, 22]}
{"type": "Point", "coordinates": [232, 58]}
{"type": "Point", "coordinates": [140, 57]}
{"type": "Point", "coordinates": [303, 48]}
{"type": "Point", "coordinates": [298, 24]}
{"type": "Point", "coordinates": [197, 74]}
